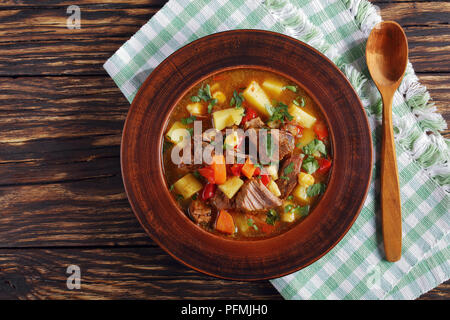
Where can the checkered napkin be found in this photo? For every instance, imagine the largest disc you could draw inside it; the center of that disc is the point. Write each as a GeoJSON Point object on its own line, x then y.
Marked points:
{"type": "Point", "coordinates": [355, 268]}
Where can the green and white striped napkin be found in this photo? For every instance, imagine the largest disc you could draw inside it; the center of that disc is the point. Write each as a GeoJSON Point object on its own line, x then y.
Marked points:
{"type": "Point", "coordinates": [355, 268]}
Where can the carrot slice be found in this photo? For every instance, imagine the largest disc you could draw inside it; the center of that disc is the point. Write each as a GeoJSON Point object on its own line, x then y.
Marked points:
{"type": "Point", "coordinates": [248, 169]}
{"type": "Point", "coordinates": [220, 169]}
{"type": "Point", "coordinates": [225, 223]}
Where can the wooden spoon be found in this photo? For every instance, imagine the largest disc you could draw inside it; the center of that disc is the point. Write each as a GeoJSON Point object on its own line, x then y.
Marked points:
{"type": "Point", "coordinates": [387, 56]}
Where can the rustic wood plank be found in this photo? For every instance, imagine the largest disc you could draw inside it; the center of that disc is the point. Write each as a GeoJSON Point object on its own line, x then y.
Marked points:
{"type": "Point", "coordinates": [46, 46]}
{"type": "Point", "coordinates": [114, 273]}
{"type": "Point", "coordinates": [89, 212]}
{"type": "Point", "coordinates": [82, 3]}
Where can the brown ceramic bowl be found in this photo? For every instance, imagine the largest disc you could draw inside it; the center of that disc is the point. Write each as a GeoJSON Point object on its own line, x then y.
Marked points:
{"type": "Point", "coordinates": [268, 258]}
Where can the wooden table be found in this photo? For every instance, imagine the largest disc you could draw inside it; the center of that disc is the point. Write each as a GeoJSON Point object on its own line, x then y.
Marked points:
{"type": "Point", "coordinates": [61, 196]}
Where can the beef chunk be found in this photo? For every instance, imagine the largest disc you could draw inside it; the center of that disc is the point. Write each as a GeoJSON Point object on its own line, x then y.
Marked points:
{"type": "Point", "coordinates": [288, 174]}
{"type": "Point", "coordinates": [200, 212]}
{"type": "Point", "coordinates": [281, 140]}
{"type": "Point", "coordinates": [255, 196]}
{"type": "Point", "coordinates": [254, 123]}
{"type": "Point", "coordinates": [286, 144]}
{"type": "Point", "coordinates": [221, 202]}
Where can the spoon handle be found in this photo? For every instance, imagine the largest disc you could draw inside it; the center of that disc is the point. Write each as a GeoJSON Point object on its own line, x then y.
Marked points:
{"type": "Point", "coordinates": [391, 216]}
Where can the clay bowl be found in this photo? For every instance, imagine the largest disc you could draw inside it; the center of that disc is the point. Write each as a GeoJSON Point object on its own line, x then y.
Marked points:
{"type": "Point", "coordinates": [268, 258]}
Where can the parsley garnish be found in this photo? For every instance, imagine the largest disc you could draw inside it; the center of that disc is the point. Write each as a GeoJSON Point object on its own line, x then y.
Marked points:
{"type": "Point", "coordinates": [194, 197]}
{"type": "Point", "coordinates": [315, 145]}
{"type": "Point", "coordinates": [310, 165]}
{"type": "Point", "coordinates": [272, 217]}
{"type": "Point", "coordinates": [211, 104]}
{"type": "Point", "coordinates": [171, 187]}
{"type": "Point", "coordinates": [280, 113]}
{"type": "Point", "coordinates": [196, 174]}
{"type": "Point", "coordinates": [252, 224]}
{"type": "Point", "coordinates": [291, 88]}
{"type": "Point", "coordinates": [188, 120]}
{"type": "Point", "coordinates": [179, 197]}
{"type": "Point", "coordinates": [297, 103]}
{"type": "Point", "coordinates": [289, 168]}
{"type": "Point", "coordinates": [237, 99]}
{"type": "Point", "coordinates": [288, 208]}
{"type": "Point", "coordinates": [302, 211]}
{"type": "Point", "coordinates": [315, 189]}
{"type": "Point", "coordinates": [195, 99]}
{"type": "Point", "coordinates": [191, 131]}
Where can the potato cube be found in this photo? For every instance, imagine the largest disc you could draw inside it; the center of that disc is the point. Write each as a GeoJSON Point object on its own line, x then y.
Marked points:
{"type": "Point", "coordinates": [220, 96]}
{"type": "Point", "coordinates": [288, 216]}
{"type": "Point", "coordinates": [187, 186]}
{"type": "Point", "coordinates": [307, 136]}
{"type": "Point", "coordinates": [272, 170]}
{"type": "Point", "coordinates": [300, 194]}
{"type": "Point", "coordinates": [303, 118]}
{"type": "Point", "coordinates": [231, 186]}
{"type": "Point", "coordinates": [273, 187]}
{"type": "Point", "coordinates": [305, 179]}
{"type": "Point", "coordinates": [196, 108]}
{"type": "Point", "coordinates": [227, 117]}
{"type": "Point", "coordinates": [273, 86]}
{"type": "Point", "coordinates": [232, 139]}
{"type": "Point", "coordinates": [176, 132]}
{"type": "Point", "coordinates": [258, 99]}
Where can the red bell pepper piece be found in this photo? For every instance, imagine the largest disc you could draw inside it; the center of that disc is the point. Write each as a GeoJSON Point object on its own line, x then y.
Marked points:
{"type": "Point", "coordinates": [320, 130]}
{"type": "Point", "coordinates": [208, 174]}
{"type": "Point", "coordinates": [324, 166]}
{"type": "Point", "coordinates": [249, 115]}
{"type": "Point", "coordinates": [265, 179]}
{"type": "Point", "coordinates": [208, 191]}
{"type": "Point", "coordinates": [236, 169]}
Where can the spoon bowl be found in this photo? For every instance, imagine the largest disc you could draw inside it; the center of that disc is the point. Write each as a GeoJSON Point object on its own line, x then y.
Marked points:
{"type": "Point", "coordinates": [387, 53]}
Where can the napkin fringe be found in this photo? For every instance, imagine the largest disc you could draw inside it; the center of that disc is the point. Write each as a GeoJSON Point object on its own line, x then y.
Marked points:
{"type": "Point", "coordinates": [418, 135]}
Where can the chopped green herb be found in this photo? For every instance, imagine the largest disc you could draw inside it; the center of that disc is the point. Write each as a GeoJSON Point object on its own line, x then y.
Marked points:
{"type": "Point", "coordinates": [289, 168]}
{"type": "Point", "coordinates": [252, 224]}
{"type": "Point", "coordinates": [298, 145]}
{"type": "Point", "coordinates": [284, 178]}
{"type": "Point", "coordinates": [171, 187]}
{"type": "Point", "coordinates": [315, 189]}
{"type": "Point", "coordinates": [315, 145]}
{"type": "Point", "coordinates": [291, 88]}
{"type": "Point", "coordinates": [272, 217]}
{"type": "Point", "coordinates": [179, 197]}
{"type": "Point", "coordinates": [290, 197]}
{"type": "Point", "coordinates": [195, 99]}
{"type": "Point", "coordinates": [196, 174]}
{"type": "Point", "coordinates": [310, 165]}
{"type": "Point", "coordinates": [191, 131]}
{"type": "Point", "coordinates": [188, 120]}
{"type": "Point", "coordinates": [195, 196]}
{"type": "Point", "coordinates": [288, 208]}
{"type": "Point", "coordinates": [301, 211]}
{"type": "Point", "coordinates": [301, 103]}
{"type": "Point", "coordinates": [237, 99]}
{"type": "Point", "coordinates": [211, 104]}
{"type": "Point", "coordinates": [280, 113]}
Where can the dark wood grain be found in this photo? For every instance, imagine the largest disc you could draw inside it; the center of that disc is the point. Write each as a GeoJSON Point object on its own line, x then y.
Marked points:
{"type": "Point", "coordinates": [48, 47]}
{"type": "Point", "coordinates": [58, 168]}
{"type": "Point", "coordinates": [114, 273]}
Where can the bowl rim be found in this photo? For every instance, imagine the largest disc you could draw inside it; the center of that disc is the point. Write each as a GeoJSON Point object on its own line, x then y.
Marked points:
{"type": "Point", "coordinates": [160, 139]}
